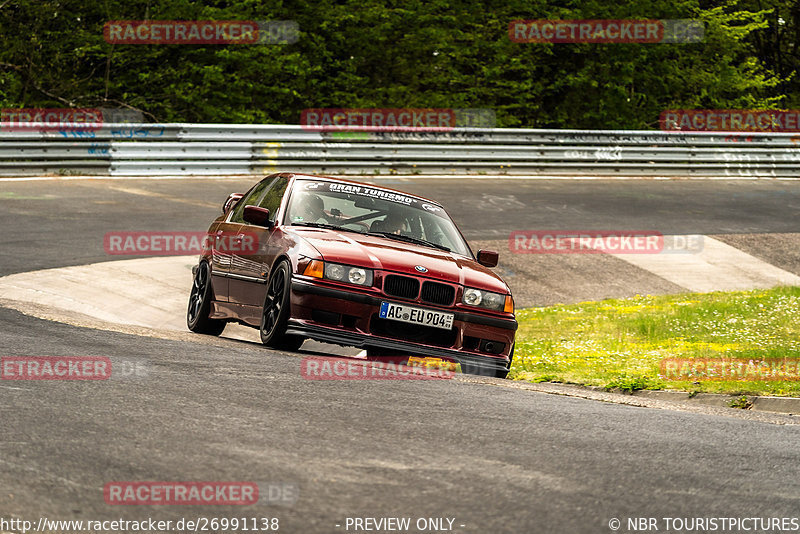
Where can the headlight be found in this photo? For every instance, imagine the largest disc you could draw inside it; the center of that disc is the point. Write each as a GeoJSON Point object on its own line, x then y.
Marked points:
{"type": "Point", "coordinates": [357, 276]}
{"type": "Point", "coordinates": [472, 297]}
{"type": "Point", "coordinates": [483, 299]}
{"type": "Point", "coordinates": [334, 271]}
{"type": "Point", "coordinates": [352, 275]}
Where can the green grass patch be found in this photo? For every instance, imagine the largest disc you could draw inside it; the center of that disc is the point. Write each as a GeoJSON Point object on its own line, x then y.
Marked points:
{"type": "Point", "coordinates": [620, 343]}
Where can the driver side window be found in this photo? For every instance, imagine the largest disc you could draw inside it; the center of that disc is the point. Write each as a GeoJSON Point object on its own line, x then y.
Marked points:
{"type": "Point", "coordinates": [273, 196]}
{"type": "Point", "coordinates": [255, 198]}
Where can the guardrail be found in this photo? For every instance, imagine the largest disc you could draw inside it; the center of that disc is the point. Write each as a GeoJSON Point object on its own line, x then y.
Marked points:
{"type": "Point", "coordinates": [213, 149]}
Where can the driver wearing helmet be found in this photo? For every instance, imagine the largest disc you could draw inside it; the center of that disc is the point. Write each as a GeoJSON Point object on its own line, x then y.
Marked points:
{"type": "Point", "coordinates": [309, 208]}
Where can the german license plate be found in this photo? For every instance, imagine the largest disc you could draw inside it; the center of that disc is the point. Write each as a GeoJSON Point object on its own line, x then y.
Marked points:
{"type": "Point", "coordinates": [413, 315]}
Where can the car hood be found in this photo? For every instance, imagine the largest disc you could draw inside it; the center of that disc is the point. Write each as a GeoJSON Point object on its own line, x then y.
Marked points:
{"type": "Point", "coordinates": [377, 252]}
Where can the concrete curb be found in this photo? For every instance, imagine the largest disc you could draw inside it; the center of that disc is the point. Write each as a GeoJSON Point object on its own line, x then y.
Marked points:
{"type": "Point", "coordinates": [676, 403]}
{"type": "Point", "coordinates": [787, 405]}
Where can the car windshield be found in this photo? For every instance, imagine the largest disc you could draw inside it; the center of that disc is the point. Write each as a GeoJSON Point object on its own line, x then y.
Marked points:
{"type": "Point", "coordinates": [370, 210]}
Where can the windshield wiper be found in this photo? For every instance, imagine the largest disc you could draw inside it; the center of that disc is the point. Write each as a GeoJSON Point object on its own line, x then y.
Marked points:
{"type": "Point", "coordinates": [408, 239]}
{"type": "Point", "coordinates": [325, 225]}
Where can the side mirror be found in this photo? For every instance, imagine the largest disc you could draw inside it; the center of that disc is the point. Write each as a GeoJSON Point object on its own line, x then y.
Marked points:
{"type": "Point", "coordinates": [257, 216]}
{"type": "Point", "coordinates": [231, 201]}
{"type": "Point", "coordinates": [487, 258]}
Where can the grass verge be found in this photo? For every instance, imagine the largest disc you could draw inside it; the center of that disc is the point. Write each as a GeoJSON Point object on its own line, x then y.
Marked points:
{"type": "Point", "coordinates": [620, 343]}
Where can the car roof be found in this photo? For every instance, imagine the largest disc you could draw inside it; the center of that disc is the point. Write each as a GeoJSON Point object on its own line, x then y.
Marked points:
{"type": "Point", "coordinates": [341, 180]}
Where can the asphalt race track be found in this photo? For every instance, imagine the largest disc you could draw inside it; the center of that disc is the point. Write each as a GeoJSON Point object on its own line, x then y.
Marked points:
{"type": "Point", "coordinates": [491, 457]}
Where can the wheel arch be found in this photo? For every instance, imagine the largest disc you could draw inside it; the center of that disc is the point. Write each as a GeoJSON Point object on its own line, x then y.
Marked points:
{"type": "Point", "coordinates": [278, 260]}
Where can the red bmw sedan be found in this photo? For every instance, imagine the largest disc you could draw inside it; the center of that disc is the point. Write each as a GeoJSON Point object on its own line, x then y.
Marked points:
{"type": "Point", "coordinates": [312, 257]}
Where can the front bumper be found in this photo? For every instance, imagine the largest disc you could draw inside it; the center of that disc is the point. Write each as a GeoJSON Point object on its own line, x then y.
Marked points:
{"type": "Point", "coordinates": [308, 297]}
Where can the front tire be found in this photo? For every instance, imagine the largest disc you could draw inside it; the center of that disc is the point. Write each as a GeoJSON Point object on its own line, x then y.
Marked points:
{"type": "Point", "coordinates": [275, 315]}
{"type": "Point", "coordinates": [200, 304]}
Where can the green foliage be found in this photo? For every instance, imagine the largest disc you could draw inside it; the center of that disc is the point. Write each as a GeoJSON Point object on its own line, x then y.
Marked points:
{"type": "Point", "coordinates": [742, 403]}
{"type": "Point", "coordinates": [629, 384]}
{"type": "Point", "coordinates": [410, 53]}
{"type": "Point", "coordinates": [627, 343]}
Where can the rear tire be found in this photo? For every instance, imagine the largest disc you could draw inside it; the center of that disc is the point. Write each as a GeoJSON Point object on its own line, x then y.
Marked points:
{"type": "Point", "coordinates": [275, 315]}
{"type": "Point", "coordinates": [200, 298]}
